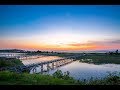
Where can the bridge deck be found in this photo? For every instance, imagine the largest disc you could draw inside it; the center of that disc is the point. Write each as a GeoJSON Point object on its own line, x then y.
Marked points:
{"type": "Point", "coordinates": [55, 63]}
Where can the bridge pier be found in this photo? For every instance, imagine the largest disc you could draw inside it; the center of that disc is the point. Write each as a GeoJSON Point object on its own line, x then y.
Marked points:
{"type": "Point", "coordinates": [52, 65]}
{"type": "Point", "coordinates": [41, 68]}
{"type": "Point", "coordinates": [34, 70]}
{"type": "Point", "coordinates": [61, 62]}
{"type": "Point", "coordinates": [48, 67]}
{"type": "Point", "coordinates": [56, 64]}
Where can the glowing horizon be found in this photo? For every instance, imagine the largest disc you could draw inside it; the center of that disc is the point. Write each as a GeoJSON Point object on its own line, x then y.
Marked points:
{"type": "Point", "coordinates": [60, 27]}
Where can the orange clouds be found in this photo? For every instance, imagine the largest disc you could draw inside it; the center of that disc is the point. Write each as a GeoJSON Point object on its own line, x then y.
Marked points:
{"type": "Point", "coordinates": [85, 46]}
{"type": "Point", "coordinates": [96, 45]}
{"type": "Point", "coordinates": [22, 44]}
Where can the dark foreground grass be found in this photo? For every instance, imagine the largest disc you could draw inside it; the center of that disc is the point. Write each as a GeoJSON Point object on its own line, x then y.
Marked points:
{"type": "Point", "coordinates": [12, 78]}
{"type": "Point", "coordinates": [100, 59]}
{"type": "Point", "coordinates": [5, 62]}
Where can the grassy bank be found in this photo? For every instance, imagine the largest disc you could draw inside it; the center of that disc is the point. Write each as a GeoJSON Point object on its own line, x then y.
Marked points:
{"type": "Point", "coordinates": [5, 62]}
{"type": "Point", "coordinates": [100, 59]}
{"type": "Point", "coordinates": [10, 78]}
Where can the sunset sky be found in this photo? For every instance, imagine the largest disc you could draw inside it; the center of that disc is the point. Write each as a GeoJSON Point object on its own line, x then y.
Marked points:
{"type": "Point", "coordinates": [60, 27]}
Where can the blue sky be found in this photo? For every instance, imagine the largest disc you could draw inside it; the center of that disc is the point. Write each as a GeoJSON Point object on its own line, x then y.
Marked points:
{"type": "Point", "coordinates": [89, 21]}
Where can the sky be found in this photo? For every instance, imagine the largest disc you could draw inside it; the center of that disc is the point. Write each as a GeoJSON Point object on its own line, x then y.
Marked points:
{"type": "Point", "coordinates": [60, 27]}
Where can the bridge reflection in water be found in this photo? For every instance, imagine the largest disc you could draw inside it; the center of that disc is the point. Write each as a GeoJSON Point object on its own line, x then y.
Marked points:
{"type": "Point", "coordinates": [50, 65]}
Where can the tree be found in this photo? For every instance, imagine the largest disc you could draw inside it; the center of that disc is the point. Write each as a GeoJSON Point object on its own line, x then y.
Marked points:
{"type": "Point", "coordinates": [111, 53]}
{"type": "Point", "coordinates": [38, 51]}
{"type": "Point", "coordinates": [116, 51]}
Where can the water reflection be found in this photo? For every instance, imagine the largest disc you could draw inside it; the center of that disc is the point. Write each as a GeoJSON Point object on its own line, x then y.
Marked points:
{"type": "Point", "coordinates": [78, 70]}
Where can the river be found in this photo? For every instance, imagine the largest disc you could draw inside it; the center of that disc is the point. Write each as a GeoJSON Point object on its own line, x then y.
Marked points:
{"type": "Point", "coordinates": [78, 70]}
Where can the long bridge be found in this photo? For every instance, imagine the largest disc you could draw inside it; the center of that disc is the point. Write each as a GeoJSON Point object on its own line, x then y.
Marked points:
{"type": "Point", "coordinates": [21, 56]}
{"type": "Point", "coordinates": [50, 65]}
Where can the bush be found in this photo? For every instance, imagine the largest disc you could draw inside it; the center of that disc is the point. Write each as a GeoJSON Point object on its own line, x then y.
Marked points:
{"type": "Point", "coordinates": [4, 62]}
{"type": "Point", "coordinates": [65, 76]}
{"type": "Point", "coordinates": [58, 74]}
{"type": "Point", "coordinates": [12, 78]}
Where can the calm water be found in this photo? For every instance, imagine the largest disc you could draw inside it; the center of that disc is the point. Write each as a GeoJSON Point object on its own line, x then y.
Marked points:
{"type": "Point", "coordinates": [79, 70]}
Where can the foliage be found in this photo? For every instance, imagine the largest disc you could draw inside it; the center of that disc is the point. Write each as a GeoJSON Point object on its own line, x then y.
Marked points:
{"type": "Point", "coordinates": [100, 59]}
{"type": "Point", "coordinates": [12, 78]}
{"type": "Point", "coordinates": [4, 62]}
{"type": "Point", "coordinates": [64, 75]}
{"type": "Point", "coordinates": [58, 74]}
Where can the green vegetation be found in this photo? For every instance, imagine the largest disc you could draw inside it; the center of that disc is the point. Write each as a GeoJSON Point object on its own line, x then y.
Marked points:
{"type": "Point", "coordinates": [111, 79]}
{"type": "Point", "coordinates": [52, 54]}
{"type": "Point", "coordinates": [4, 62]}
{"type": "Point", "coordinates": [11, 78]}
{"type": "Point", "coordinates": [100, 59]}
{"type": "Point", "coordinates": [63, 54]}
{"type": "Point", "coordinates": [65, 76]}
{"type": "Point", "coordinates": [58, 78]}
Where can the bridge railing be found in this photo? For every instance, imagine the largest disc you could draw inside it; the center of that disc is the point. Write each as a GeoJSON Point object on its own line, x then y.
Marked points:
{"type": "Point", "coordinates": [27, 67]}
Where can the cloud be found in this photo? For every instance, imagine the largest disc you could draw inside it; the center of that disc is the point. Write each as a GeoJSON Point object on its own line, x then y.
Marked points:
{"type": "Point", "coordinates": [90, 45]}
{"type": "Point", "coordinates": [97, 44]}
{"type": "Point", "coordinates": [81, 44]}
{"type": "Point", "coordinates": [75, 44]}
{"type": "Point", "coordinates": [105, 42]}
{"type": "Point", "coordinates": [115, 41]}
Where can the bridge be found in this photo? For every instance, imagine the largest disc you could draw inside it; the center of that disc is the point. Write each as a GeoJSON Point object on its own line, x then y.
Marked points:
{"type": "Point", "coordinates": [50, 65]}
{"type": "Point", "coordinates": [21, 56]}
